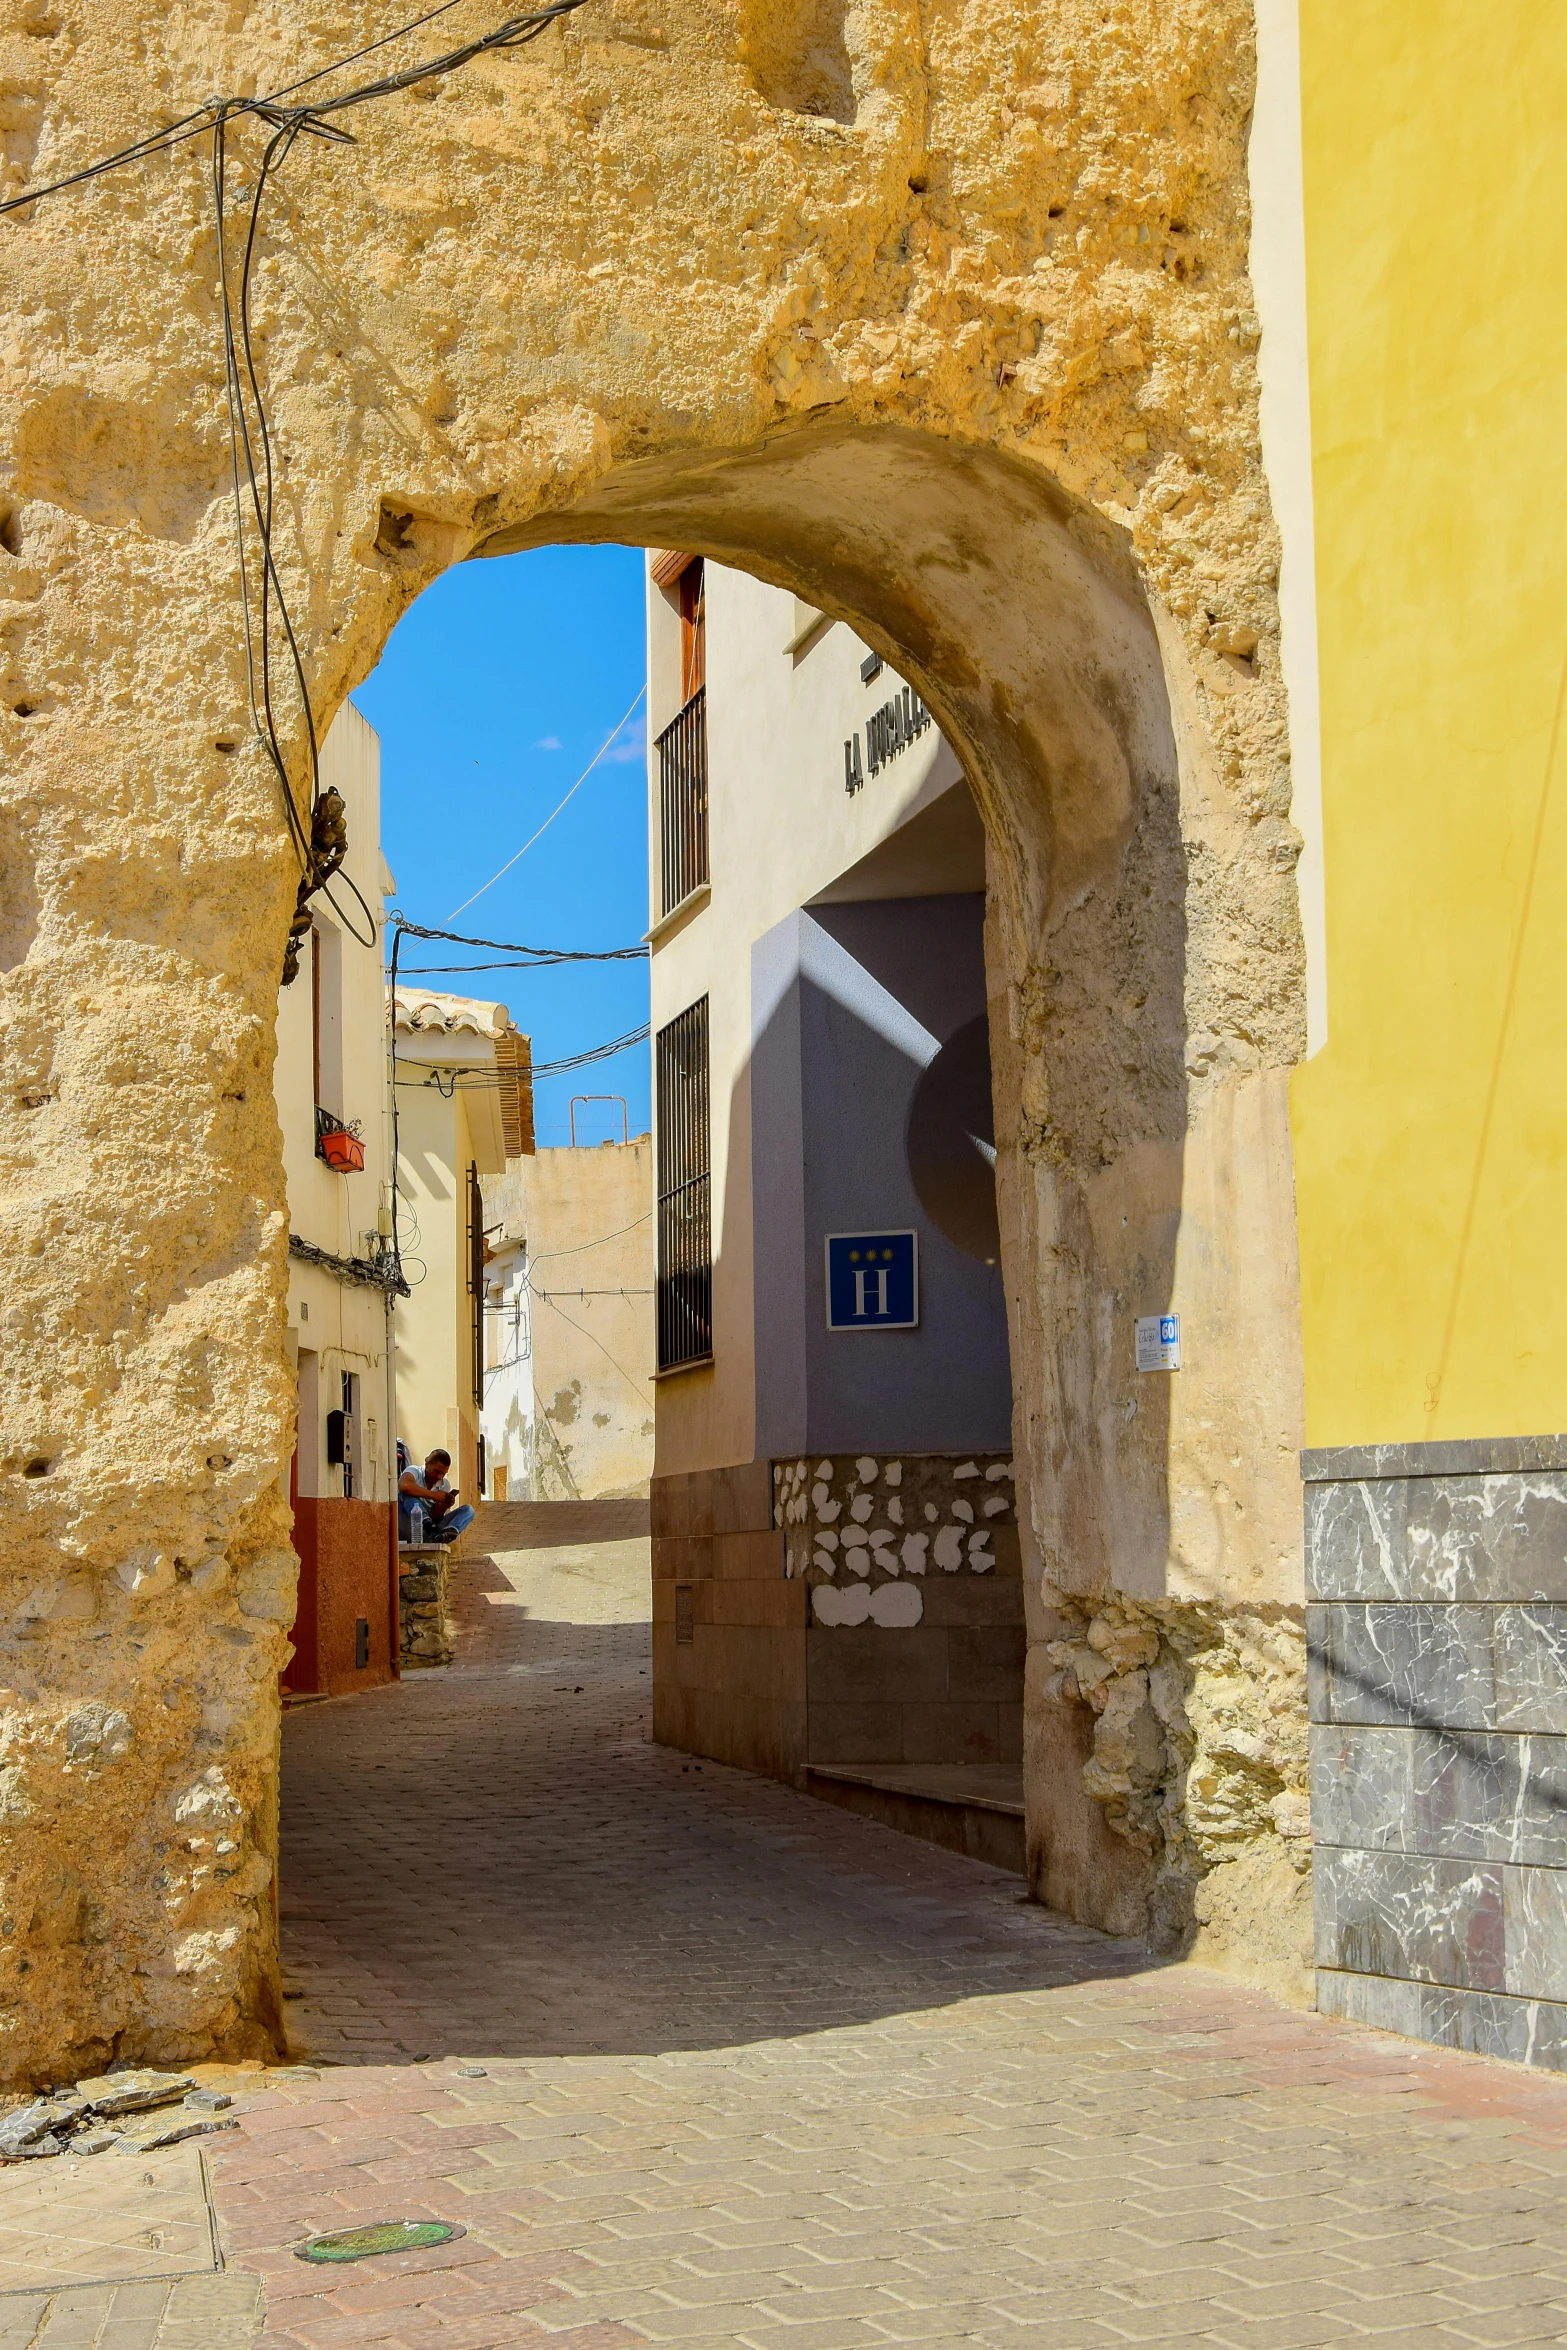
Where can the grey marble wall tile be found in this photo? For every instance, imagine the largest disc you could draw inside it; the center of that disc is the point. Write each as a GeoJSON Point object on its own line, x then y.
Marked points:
{"type": "Point", "coordinates": [1362, 1787]}
{"type": "Point", "coordinates": [1439, 1538]}
{"type": "Point", "coordinates": [1376, 2000]}
{"type": "Point", "coordinates": [1393, 1913]}
{"type": "Point", "coordinates": [1487, 2023]}
{"type": "Point", "coordinates": [1458, 1795]}
{"type": "Point", "coordinates": [1479, 1456]}
{"type": "Point", "coordinates": [1535, 1905]}
{"type": "Point", "coordinates": [1529, 1663]}
{"type": "Point", "coordinates": [1458, 1668]}
{"type": "Point", "coordinates": [1485, 1795]}
{"type": "Point", "coordinates": [1319, 1633]}
{"type": "Point", "coordinates": [1429, 1667]}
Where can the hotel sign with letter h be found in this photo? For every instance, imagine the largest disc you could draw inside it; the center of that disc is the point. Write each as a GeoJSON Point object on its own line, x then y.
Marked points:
{"type": "Point", "coordinates": [873, 1281]}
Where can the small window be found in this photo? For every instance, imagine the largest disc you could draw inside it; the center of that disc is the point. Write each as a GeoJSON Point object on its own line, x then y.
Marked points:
{"type": "Point", "coordinates": [682, 755]}
{"type": "Point", "coordinates": [693, 628]}
{"type": "Point", "coordinates": [684, 1299]}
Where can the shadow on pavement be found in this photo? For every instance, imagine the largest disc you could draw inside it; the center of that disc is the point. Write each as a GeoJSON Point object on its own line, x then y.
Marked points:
{"type": "Point", "coordinates": [494, 1858]}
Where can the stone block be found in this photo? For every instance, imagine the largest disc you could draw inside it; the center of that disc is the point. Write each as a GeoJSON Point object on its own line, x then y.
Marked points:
{"type": "Point", "coordinates": [1439, 1538]}
{"type": "Point", "coordinates": [872, 1664]}
{"type": "Point", "coordinates": [752, 1661]}
{"type": "Point", "coordinates": [424, 1630]}
{"type": "Point", "coordinates": [686, 1559]}
{"type": "Point", "coordinates": [751, 1556]}
{"type": "Point", "coordinates": [985, 1661]}
{"type": "Point", "coordinates": [855, 1733]}
{"type": "Point", "coordinates": [742, 1498]}
{"type": "Point", "coordinates": [1399, 1914]}
{"type": "Point", "coordinates": [777, 1604]}
{"type": "Point", "coordinates": [755, 1736]}
{"type": "Point", "coordinates": [669, 1507]}
{"type": "Point", "coordinates": [674, 1662]}
{"type": "Point", "coordinates": [951, 1733]}
{"type": "Point", "coordinates": [973, 1599]}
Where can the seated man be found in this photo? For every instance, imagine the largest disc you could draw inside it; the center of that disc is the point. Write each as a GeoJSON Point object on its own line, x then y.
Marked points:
{"type": "Point", "coordinates": [444, 1516]}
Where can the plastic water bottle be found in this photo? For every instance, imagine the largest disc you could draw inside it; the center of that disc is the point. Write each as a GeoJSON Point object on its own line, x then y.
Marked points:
{"type": "Point", "coordinates": [416, 1526]}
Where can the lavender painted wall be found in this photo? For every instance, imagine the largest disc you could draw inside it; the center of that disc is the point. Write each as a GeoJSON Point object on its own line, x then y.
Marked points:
{"type": "Point", "coordinates": [850, 1003]}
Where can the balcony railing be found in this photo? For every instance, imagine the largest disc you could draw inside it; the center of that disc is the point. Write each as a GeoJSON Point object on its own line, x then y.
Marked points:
{"type": "Point", "coordinates": [682, 755]}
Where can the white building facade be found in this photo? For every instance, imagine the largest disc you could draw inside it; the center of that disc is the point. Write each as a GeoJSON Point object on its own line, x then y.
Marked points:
{"type": "Point", "coordinates": [836, 1566]}
{"type": "Point", "coordinates": [334, 1107]}
{"type": "Point", "coordinates": [464, 1093]}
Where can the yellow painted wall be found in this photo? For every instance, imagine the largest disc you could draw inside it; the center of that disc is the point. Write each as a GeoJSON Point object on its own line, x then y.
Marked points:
{"type": "Point", "coordinates": [1431, 1131]}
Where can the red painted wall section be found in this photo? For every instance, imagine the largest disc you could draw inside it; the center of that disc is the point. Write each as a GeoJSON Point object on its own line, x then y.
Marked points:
{"type": "Point", "coordinates": [343, 1549]}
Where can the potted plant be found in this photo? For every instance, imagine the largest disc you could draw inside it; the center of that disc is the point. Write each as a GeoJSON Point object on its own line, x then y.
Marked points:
{"type": "Point", "coordinates": [340, 1145]}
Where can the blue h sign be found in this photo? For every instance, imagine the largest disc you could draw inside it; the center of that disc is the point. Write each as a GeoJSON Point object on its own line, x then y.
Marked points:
{"type": "Point", "coordinates": [872, 1281]}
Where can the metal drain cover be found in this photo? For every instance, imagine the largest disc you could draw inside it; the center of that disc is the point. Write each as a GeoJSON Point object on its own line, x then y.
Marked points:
{"type": "Point", "coordinates": [387, 2235]}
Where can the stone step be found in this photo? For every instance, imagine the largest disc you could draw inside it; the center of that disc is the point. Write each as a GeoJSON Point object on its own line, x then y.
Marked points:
{"type": "Point", "coordinates": [972, 1808]}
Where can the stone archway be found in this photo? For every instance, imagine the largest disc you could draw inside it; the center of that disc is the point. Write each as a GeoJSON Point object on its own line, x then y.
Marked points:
{"type": "Point", "coordinates": [938, 316]}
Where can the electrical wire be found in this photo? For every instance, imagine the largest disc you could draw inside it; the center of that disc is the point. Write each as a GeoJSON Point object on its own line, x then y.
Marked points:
{"type": "Point", "coordinates": [322, 847]}
{"type": "Point", "coordinates": [368, 50]}
{"type": "Point", "coordinates": [464, 970]}
{"type": "Point", "coordinates": [554, 812]}
{"type": "Point", "coordinates": [636, 1386]}
{"type": "Point", "coordinates": [539, 1256]}
{"type": "Point", "coordinates": [477, 1080]}
{"type": "Point", "coordinates": [533, 957]}
{"type": "Point", "coordinates": [513, 33]}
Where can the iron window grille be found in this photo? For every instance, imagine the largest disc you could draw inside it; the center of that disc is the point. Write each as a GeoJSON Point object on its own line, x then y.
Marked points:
{"type": "Point", "coordinates": [684, 1287]}
{"type": "Point", "coordinates": [682, 804]}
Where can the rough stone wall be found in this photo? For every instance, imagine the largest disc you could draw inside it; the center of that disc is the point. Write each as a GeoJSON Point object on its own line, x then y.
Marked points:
{"type": "Point", "coordinates": [936, 313]}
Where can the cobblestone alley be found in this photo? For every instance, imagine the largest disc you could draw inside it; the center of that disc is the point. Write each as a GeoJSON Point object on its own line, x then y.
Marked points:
{"type": "Point", "coordinates": [757, 2071]}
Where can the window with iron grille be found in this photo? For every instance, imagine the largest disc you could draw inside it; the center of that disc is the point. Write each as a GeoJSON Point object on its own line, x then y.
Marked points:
{"type": "Point", "coordinates": [682, 803]}
{"type": "Point", "coordinates": [682, 755]}
{"type": "Point", "coordinates": [684, 1302]}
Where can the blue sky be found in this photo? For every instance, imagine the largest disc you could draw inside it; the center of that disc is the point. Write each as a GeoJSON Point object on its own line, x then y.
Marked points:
{"type": "Point", "coordinates": [492, 696]}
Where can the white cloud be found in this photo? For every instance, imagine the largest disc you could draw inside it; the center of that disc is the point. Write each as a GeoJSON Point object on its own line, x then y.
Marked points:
{"type": "Point", "coordinates": [632, 745]}
{"type": "Point", "coordinates": [548, 742]}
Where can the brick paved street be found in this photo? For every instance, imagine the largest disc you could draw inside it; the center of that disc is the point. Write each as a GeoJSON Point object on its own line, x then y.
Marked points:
{"type": "Point", "coordinates": [758, 2071]}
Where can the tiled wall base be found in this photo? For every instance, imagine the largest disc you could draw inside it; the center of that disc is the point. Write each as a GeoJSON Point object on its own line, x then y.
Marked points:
{"type": "Point", "coordinates": [747, 1671]}
{"type": "Point", "coordinates": [1436, 1580]}
{"type": "Point", "coordinates": [1486, 2023]}
{"type": "Point", "coordinates": [728, 1625]}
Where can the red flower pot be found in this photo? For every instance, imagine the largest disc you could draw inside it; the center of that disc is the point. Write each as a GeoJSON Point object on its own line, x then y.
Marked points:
{"type": "Point", "coordinates": [343, 1151]}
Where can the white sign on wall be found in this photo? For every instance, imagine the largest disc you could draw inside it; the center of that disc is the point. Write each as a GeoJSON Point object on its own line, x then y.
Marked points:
{"type": "Point", "coordinates": [1158, 1342]}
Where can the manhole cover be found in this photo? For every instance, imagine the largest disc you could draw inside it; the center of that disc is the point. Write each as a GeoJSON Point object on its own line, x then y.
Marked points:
{"type": "Point", "coordinates": [388, 2235]}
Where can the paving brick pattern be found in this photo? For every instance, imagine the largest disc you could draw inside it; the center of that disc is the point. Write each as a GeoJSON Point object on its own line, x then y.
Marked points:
{"type": "Point", "coordinates": [184, 2313]}
{"type": "Point", "coordinates": [758, 2071]}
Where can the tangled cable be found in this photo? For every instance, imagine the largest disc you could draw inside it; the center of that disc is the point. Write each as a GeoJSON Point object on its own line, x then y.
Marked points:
{"type": "Point", "coordinates": [322, 844]}
{"type": "Point", "coordinates": [514, 33]}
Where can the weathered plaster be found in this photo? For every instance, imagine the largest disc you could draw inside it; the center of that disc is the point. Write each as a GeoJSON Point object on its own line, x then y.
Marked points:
{"type": "Point", "coordinates": [936, 316]}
